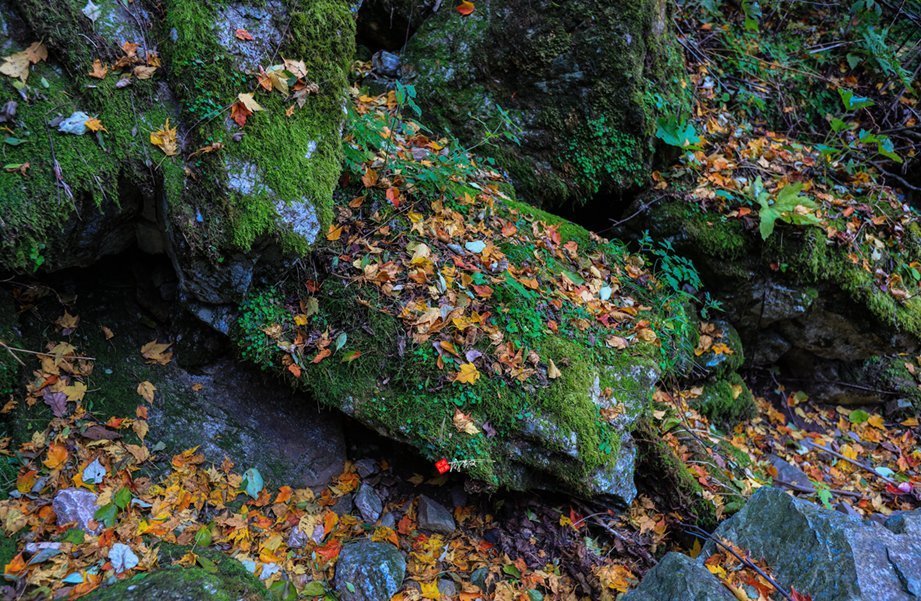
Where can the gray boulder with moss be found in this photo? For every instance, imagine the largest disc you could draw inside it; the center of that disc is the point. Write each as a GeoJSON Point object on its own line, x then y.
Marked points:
{"type": "Point", "coordinates": [582, 84]}
{"type": "Point", "coordinates": [219, 198]}
{"type": "Point", "coordinates": [801, 302]}
{"type": "Point", "coordinates": [510, 343]}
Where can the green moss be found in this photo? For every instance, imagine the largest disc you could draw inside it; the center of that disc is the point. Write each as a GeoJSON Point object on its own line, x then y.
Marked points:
{"type": "Point", "coordinates": [288, 159]}
{"type": "Point", "coordinates": [814, 259]}
{"type": "Point", "coordinates": [190, 584]}
{"type": "Point", "coordinates": [726, 401]}
{"type": "Point", "coordinates": [598, 133]}
{"type": "Point", "coordinates": [707, 233]}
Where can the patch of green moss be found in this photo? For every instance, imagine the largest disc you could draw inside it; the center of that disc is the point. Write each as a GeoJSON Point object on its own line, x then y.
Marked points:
{"type": "Point", "coordinates": [814, 259]}
{"type": "Point", "coordinates": [191, 584]}
{"type": "Point", "coordinates": [292, 159]}
{"type": "Point", "coordinates": [38, 206]}
{"type": "Point", "coordinates": [707, 233]}
{"type": "Point", "coordinates": [726, 401]}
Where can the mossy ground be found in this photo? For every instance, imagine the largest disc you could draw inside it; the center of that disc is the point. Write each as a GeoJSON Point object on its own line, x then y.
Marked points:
{"type": "Point", "coordinates": [224, 579]}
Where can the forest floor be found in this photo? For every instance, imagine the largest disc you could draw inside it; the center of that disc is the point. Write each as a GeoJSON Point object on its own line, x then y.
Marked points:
{"type": "Point", "coordinates": [521, 546]}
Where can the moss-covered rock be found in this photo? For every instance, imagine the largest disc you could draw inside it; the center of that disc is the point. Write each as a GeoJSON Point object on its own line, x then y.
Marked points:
{"type": "Point", "coordinates": [797, 299]}
{"type": "Point", "coordinates": [224, 195]}
{"type": "Point", "coordinates": [726, 401]}
{"type": "Point", "coordinates": [509, 342]}
{"type": "Point", "coordinates": [581, 84]}
{"type": "Point", "coordinates": [186, 584]}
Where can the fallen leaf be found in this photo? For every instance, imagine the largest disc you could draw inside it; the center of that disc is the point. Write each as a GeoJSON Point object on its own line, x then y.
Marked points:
{"type": "Point", "coordinates": [165, 139]}
{"type": "Point", "coordinates": [553, 371]}
{"type": "Point", "coordinates": [147, 390]}
{"type": "Point", "coordinates": [244, 35]}
{"type": "Point", "coordinates": [157, 352]}
{"type": "Point", "coordinates": [468, 374]}
{"type": "Point", "coordinates": [464, 423]}
{"type": "Point", "coordinates": [465, 8]}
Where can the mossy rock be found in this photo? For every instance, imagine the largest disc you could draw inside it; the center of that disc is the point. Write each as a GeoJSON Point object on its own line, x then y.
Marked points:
{"type": "Point", "coordinates": [564, 424]}
{"type": "Point", "coordinates": [726, 401]}
{"type": "Point", "coordinates": [797, 299]}
{"type": "Point", "coordinates": [229, 195]}
{"type": "Point", "coordinates": [581, 82]}
{"type": "Point", "coordinates": [185, 584]}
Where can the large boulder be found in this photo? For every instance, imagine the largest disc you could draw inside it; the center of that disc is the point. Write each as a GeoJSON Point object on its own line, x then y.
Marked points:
{"type": "Point", "coordinates": [215, 195]}
{"type": "Point", "coordinates": [828, 554]}
{"type": "Point", "coordinates": [824, 555]}
{"type": "Point", "coordinates": [494, 337]}
{"type": "Point", "coordinates": [581, 84]}
{"type": "Point", "coordinates": [801, 300]}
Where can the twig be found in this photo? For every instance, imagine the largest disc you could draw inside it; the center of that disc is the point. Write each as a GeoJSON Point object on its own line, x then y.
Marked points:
{"type": "Point", "coordinates": [862, 466]}
{"type": "Point", "coordinates": [797, 488]}
{"type": "Point", "coordinates": [27, 351]}
{"type": "Point", "coordinates": [701, 533]}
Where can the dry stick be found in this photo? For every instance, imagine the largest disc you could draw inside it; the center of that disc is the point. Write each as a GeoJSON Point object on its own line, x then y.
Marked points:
{"type": "Point", "coordinates": [862, 466]}
{"type": "Point", "coordinates": [797, 488]}
{"type": "Point", "coordinates": [11, 349]}
{"type": "Point", "coordinates": [701, 533]}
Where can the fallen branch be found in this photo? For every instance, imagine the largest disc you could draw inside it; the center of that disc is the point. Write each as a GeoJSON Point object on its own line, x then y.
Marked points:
{"type": "Point", "coordinates": [13, 350]}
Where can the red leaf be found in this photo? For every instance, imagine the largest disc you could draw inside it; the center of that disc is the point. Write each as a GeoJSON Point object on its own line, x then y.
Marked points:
{"type": "Point", "coordinates": [244, 35]}
{"type": "Point", "coordinates": [465, 8]}
{"type": "Point", "coordinates": [239, 113]}
{"type": "Point", "coordinates": [393, 195]}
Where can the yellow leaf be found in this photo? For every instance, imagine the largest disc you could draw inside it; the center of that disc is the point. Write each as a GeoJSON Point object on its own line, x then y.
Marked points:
{"type": "Point", "coordinates": [430, 590]}
{"type": "Point", "coordinates": [75, 392]}
{"type": "Point", "coordinates": [94, 124]}
{"type": "Point", "coordinates": [464, 423]}
{"type": "Point", "coordinates": [165, 139]}
{"type": "Point", "coordinates": [335, 231]}
{"type": "Point", "coordinates": [57, 455]}
{"type": "Point", "coordinates": [144, 72]}
{"type": "Point", "coordinates": [157, 352]}
{"type": "Point", "coordinates": [249, 102]}
{"type": "Point", "coordinates": [99, 70]}
{"type": "Point", "coordinates": [146, 390]}
{"type": "Point", "coordinates": [553, 372]}
{"type": "Point", "coordinates": [468, 374]}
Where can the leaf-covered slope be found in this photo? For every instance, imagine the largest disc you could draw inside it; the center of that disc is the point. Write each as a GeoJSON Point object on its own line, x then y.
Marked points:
{"type": "Point", "coordinates": [509, 342]}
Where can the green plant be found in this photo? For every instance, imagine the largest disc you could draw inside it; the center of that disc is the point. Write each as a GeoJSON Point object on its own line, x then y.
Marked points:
{"type": "Point", "coordinates": [258, 312]}
{"type": "Point", "coordinates": [788, 206]}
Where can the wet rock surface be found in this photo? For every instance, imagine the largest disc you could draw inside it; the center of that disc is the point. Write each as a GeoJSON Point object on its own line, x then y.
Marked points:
{"type": "Point", "coordinates": [369, 571]}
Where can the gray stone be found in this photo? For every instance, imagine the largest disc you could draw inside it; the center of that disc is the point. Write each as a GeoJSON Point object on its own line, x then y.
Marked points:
{"type": "Point", "coordinates": [343, 505]}
{"type": "Point", "coordinates": [678, 578]}
{"type": "Point", "coordinates": [296, 538]}
{"type": "Point", "coordinates": [369, 571]}
{"type": "Point", "coordinates": [827, 554]}
{"type": "Point", "coordinates": [386, 64]}
{"type": "Point", "coordinates": [388, 520]}
{"type": "Point", "coordinates": [368, 503]}
{"type": "Point", "coordinates": [432, 515]}
{"type": "Point", "coordinates": [75, 506]}
{"type": "Point", "coordinates": [366, 467]}
{"type": "Point", "coordinates": [237, 413]}
{"type": "Point", "coordinates": [447, 588]}
{"type": "Point", "coordinates": [790, 474]}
